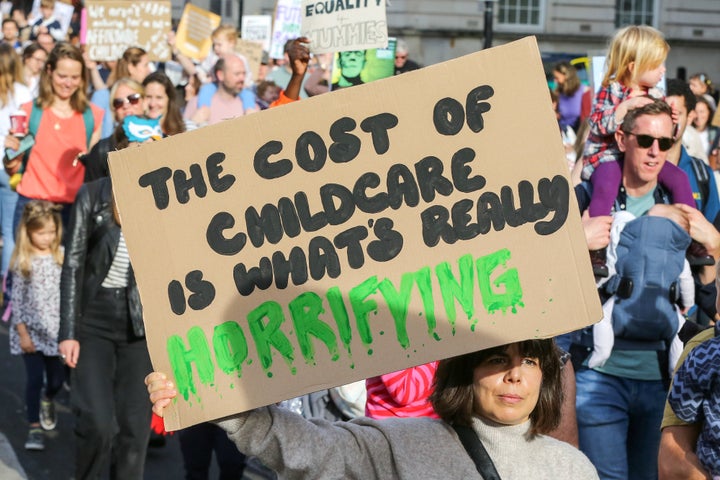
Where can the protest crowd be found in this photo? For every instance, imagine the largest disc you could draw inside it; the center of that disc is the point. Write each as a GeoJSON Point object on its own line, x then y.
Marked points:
{"type": "Point", "coordinates": [634, 396]}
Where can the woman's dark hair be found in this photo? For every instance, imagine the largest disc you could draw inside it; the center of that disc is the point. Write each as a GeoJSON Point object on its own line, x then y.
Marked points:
{"type": "Point", "coordinates": [572, 81]}
{"type": "Point", "coordinates": [172, 123]}
{"type": "Point", "coordinates": [453, 397]}
{"type": "Point", "coordinates": [711, 109]}
{"type": "Point", "coordinates": [30, 50]}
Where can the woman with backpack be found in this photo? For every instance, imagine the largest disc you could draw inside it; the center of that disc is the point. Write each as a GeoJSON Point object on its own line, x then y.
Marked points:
{"type": "Point", "coordinates": [64, 125]}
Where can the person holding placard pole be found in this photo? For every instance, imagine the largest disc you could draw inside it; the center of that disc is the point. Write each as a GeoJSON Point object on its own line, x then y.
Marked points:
{"type": "Point", "coordinates": [504, 398]}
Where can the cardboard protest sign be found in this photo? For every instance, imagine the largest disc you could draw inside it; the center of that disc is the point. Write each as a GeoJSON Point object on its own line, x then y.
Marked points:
{"type": "Point", "coordinates": [354, 67]}
{"type": "Point", "coordinates": [114, 25]}
{"type": "Point", "coordinates": [257, 28]}
{"type": "Point", "coordinates": [355, 233]}
{"type": "Point", "coordinates": [252, 51]}
{"type": "Point", "coordinates": [344, 25]}
{"type": "Point", "coordinates": [286, 25]}
{"type": "Point", "coordinates": [194, 30]}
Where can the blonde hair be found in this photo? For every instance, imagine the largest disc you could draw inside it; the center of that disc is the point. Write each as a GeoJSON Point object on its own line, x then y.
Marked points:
{"type": "Point", "coordinates": [36, 215]}
{"type": "Point", "coordinates": [225, 30]}
{"type": "Point", "coordinates": [641, 46]}
{"type": "Point", "coordinates": [63, 50]}
{"type": "Point", "coordinates": [131, 84]}
{"type": "Point", "coordinates": [10, 72]}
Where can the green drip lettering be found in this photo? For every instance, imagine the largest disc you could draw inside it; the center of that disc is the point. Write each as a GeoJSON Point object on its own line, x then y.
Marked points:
{"type": "Point", "coordinates": [340, 314]}
{"type": "Point", "coordinates": [492, 301]}
{"type": "Point", "coordinates": [269, 334]}
{"type": "Point", "coordinates": [230, 347]}
{"type": "Point", "coordinates": [305, 310]}
{"type": "Point", "coordinates": [398, 303]}
{"type": "Point", "coordinates": [424, 283]}
{"type": "Point", "coordinates": [362, 307]}
{"type": "Point", "coordinates": [181, 360]}
{"type": "Point", "coordinates": [452, 290]}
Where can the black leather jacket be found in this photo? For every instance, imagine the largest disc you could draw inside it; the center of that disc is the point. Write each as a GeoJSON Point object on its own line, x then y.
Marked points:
{"type": "Point", "coordinates": [88, 256]}
{"type": "Point", "coordinates": [96, 161]}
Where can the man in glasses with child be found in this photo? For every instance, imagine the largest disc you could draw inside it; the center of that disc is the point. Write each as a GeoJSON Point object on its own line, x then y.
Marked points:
{"type": "Point", "coordinates": [629, 385]}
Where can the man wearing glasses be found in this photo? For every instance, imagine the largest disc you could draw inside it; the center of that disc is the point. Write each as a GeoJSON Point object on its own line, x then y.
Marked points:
{"type": "Point", "coordinates": [620, 404]}
{"type": "Point", "coordinates": [402, 62]}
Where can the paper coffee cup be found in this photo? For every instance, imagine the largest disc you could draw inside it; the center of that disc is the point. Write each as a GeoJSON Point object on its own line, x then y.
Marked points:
{"type": "Point", "coordinates": [19, 123]}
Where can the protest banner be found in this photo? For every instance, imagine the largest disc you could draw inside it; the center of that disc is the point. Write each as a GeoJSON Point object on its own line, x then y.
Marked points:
{"type": "Point", "coordinates": [194, 30]}
{"type": "Point", "coordinates": [355, 233]}
{"type": "Point", "coordinates": [286, 25]}
{"type": "Point", "coordinates": [341, 26]}
{"type": "Point", "coordinates": [114, 25]}
{"type": "Point", "coordinates": [257, 28]}
{"type": "Point", "coordinates": [252, 51]}
{"type": "Point", "coordinates": [354, 67]}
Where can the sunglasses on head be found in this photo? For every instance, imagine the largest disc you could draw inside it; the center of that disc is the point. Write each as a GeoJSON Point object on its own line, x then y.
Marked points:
{"type": "Point", "coordinates": [646, 141]}
{"type": "Point", "coordinates": [133, 99]}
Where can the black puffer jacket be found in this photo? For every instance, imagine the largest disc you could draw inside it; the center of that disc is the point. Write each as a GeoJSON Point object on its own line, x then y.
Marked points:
{"type": "Point", "coordinates": [93, 240]}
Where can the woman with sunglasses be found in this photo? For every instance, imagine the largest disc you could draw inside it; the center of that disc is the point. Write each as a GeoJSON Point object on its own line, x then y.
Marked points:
{"type": "Point", "coordinates": [160, 102]}
{"type": "Point", "coordinates": [134, 64]}
{"type": "Point", "coordinates": [68, 126]}
{"type": "Point", "coordinates": [128, 98]}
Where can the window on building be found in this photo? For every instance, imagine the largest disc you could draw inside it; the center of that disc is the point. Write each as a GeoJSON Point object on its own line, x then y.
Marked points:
{"type": "Point", "coordinates": [634, 12]}
{"type": "Point", "coordinates": [519, 12]}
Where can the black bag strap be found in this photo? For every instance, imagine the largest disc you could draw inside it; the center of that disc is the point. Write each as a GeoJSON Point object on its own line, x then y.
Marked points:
{"type": "Point", "coordinates": [477, 452]}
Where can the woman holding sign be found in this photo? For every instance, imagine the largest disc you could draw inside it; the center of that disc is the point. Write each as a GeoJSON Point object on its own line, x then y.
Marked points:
{"type": "Point", "coordinates": [505, 398]}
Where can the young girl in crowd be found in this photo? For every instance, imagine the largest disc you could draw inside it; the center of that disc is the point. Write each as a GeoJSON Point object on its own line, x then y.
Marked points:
{"type": "Point", "coordinates": [35, 320]}
{"type": "Point", "coordinates": [635, 64]}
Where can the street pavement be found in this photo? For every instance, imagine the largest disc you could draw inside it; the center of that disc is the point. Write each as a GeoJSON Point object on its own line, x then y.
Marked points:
{"type": "Point", "coordinates": [57, 460]}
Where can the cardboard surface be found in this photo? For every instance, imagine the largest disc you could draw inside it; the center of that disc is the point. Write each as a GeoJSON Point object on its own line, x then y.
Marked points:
{"type": "Point", "coordinates": [379, 282]}
{"type": "Point", "coordinates": [114, 25]}
{"type": "Point", "coordinates": [194, 30]}
{"type": "Point", "coordinates": [340, 26]}
{"type": "Point", "coordinates": [252, 51]}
